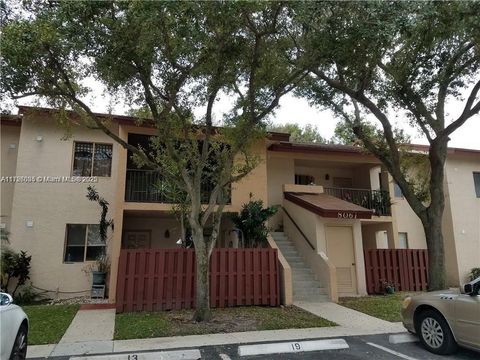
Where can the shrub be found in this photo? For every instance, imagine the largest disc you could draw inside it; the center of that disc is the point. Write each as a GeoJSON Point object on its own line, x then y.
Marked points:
{"type": "Point", "coordinates": [474, 273]}
{"type": "Point", "coordinates": [28, 296]}
{"type": "Point", "coordinates": [14, 266]}
{"type": "Point", "coordinates": [251, 221]}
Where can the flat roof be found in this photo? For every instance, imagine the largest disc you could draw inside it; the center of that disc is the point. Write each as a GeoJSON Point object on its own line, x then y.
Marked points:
{"type": "Point", "coordinates": [329, 206]}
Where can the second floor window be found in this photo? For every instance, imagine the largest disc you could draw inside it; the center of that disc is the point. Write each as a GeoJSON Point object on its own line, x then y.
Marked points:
{"type": "Point", "coordinates": [92, 159]}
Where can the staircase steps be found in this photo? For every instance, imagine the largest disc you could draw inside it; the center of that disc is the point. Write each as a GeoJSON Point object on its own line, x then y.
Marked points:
{"type": "Point", "coordinates": [305, 285]}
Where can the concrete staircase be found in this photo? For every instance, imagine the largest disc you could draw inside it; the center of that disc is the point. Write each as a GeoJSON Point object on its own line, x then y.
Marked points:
{"type": "Point", "coordinates": [305, 285]}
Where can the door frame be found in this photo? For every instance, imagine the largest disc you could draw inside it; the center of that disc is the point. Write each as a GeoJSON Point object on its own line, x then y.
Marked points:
{"type": "Point", "coordinates": [351, 226]}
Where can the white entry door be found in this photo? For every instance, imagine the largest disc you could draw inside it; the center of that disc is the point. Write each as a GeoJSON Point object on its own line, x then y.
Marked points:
{"type": "Point", "coordinates": [341, 252]}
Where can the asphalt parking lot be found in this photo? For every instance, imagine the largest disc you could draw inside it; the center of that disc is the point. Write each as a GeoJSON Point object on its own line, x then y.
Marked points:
{"type": "Point", "coordinates": [359, 348]}
{"type": "Point", "coordinates": [373, 347]}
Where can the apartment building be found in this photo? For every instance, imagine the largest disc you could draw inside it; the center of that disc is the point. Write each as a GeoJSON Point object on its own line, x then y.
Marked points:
{"type": "Point", "coordinates": [336, 201]}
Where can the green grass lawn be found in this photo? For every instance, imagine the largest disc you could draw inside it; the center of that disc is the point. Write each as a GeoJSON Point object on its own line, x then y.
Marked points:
{"type": "Point", "coordinates": [179, 322]}
{"type": "Point", "coordinates": [386, 307]}
{"type": "Point", "coordinates": [48, 323]}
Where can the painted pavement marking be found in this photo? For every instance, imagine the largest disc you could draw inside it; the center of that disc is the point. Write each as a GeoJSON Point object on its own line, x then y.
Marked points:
{"type": "Point", "coordinates": [292, 347]}
{"type": "Point", "coordinates": [193, 354]}
{"type": "Point", "coordinates": [396, 353]}
{"type": "Point", "coordinates": [225, 357]}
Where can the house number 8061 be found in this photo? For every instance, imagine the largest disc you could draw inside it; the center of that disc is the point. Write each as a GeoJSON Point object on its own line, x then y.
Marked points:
{"type": "Point", "coordinates": [346, 215]}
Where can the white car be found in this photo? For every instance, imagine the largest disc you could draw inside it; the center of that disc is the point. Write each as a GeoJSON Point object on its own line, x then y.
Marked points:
{"type": "Point", "coordinates": [14, 329]}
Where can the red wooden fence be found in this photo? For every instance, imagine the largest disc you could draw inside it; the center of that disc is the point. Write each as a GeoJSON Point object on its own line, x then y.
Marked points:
{"type": "Point", "coordinates": [163, 279]}
{"type": "Point", "coordinates": [406, 268]}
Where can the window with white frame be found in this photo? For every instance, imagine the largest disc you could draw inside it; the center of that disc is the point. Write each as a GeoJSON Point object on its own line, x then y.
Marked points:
{"type": "Point", "coordinates": [402, 240]}
{"type": "Point", "coordinates": [83, 243]}
{"type": "Point", "coordinates": [92, 159]}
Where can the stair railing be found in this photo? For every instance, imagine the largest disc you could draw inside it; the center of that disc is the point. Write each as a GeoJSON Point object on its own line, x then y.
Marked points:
{"type": "Point", "coordinates": [298, 228]}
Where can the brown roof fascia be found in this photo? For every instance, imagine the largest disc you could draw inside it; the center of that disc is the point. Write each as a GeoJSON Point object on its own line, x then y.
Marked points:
{"type": "Point", "coordinates": [350, 150]}
{"type": "Point", "coordinates": [318, 149]}
{"type": "Point", "coordinates": [328, 213]}
{"type": "Point", "coordinates": [277, 136]}
{"type": "Point", "coordinates": [121, 119]}
{"type": "Point", "coordinates": [10, 120]}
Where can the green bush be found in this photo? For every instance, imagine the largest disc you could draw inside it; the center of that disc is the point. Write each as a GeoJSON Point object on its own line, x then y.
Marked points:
{"type": "Point", "coordinates": [474, 273]}
{"type": "Point", "coordinates": [28, 296]}
{"type": "Point", "coordinates": [14, 266]}
{"type": "Point", "coordinates": [251, 221]}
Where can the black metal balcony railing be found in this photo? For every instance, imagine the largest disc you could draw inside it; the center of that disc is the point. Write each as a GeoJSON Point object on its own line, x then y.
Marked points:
{"type": "Point", "coordinates": [376, 200]}
{"type": "Point", "coordinates": [149, 186]}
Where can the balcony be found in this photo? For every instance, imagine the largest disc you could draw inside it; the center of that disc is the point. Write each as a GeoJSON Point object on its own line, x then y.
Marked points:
{"type": "Point", "coordinates": [147, 186]}
{"type": "Point", "coordinates": [376, 200]}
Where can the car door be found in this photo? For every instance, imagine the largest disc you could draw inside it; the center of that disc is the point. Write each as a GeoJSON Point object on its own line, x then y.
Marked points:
{"type": "Point", "coordinates": [8, 333]}
{"type": "Point", "coordinates": [467, 320]}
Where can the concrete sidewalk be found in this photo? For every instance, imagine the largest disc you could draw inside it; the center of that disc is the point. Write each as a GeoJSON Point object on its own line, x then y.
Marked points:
{"type": "Point", "coordinates": [90, 332]}
{"type": "Point", "coordinates": [350, 323]}
{"type": "Point", "coordinates": [350, 320]}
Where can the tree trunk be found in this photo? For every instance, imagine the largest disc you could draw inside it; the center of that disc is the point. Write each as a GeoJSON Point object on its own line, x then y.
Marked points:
{"type": "Point", "coordinates": [436, 255]}
{"type": "Point", "coordinates": [202, 283]}
{"type": "Point", "coordinates": [183, 232]}
{"type": "Point", "coordinates": [432, 222]}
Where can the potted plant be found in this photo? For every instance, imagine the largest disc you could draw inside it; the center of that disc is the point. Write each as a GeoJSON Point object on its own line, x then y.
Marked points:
{"type": "Point", "coordinates": [102, 268]}
{"type": "Point", "coordinates": [388, 287]}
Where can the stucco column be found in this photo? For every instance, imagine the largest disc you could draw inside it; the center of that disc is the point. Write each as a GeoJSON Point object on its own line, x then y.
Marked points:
{"type": "Point", "coordinates": [359, 258]}
{"type": "Point", "coordinates": [116, 244]}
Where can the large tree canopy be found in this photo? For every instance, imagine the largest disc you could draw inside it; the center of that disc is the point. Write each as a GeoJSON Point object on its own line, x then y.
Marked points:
{"type": "Point", "coordinates": [306, 134]}
{"type": "Point", "coordinates": [385, 62]}
{"type": "Point", "coordinates": [168, 58]}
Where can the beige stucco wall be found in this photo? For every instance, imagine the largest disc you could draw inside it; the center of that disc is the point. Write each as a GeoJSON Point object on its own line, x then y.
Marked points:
{"type": "Point", "coordinates": [279, 171]}
{"type": "Point", "coordinates": [465, 213]}
{"type": "Point", "coordinates": [254, 183]}
{"type": "Point", "coordinates": [10, 136]}
{"type": "Point", "coordinates": [370, 232]}
{"type": "Point", "coordinates": [53, 205]}
{"type": "Point", "coordinates": [407, 221]}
